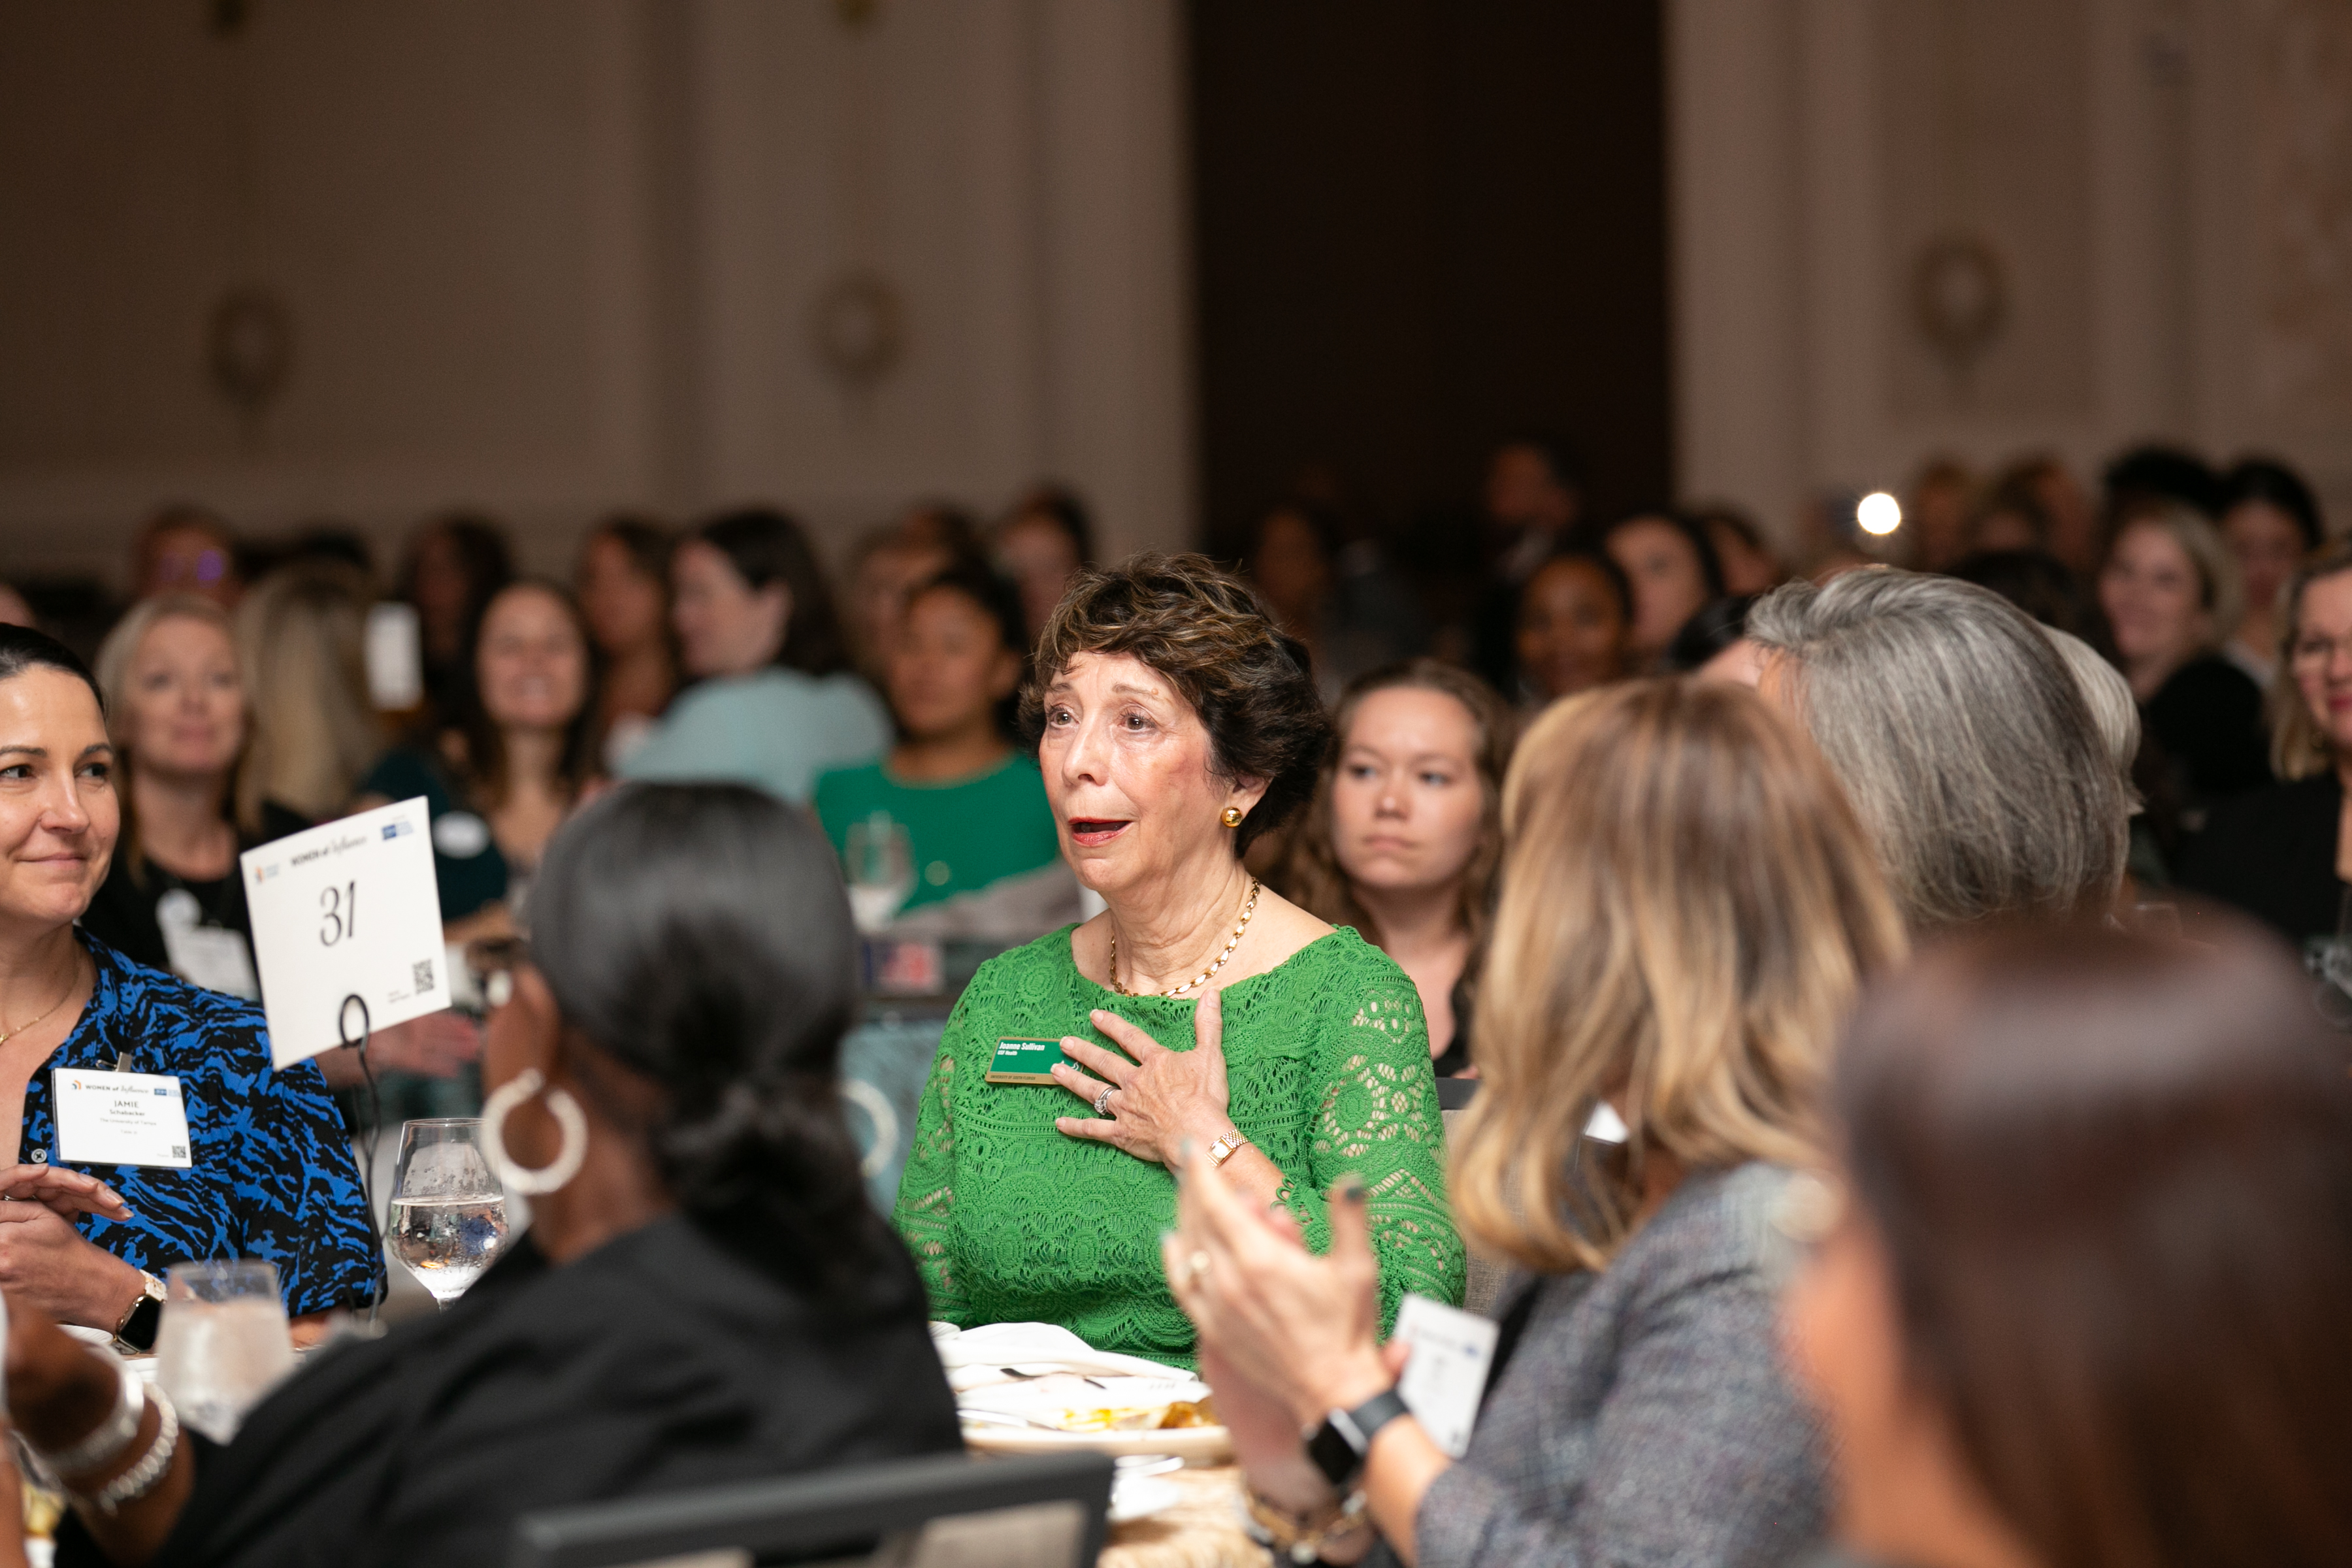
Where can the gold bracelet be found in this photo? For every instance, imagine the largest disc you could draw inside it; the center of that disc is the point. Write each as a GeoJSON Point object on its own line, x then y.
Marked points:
{"type": "Point", "coordinates": [1291, 1535]}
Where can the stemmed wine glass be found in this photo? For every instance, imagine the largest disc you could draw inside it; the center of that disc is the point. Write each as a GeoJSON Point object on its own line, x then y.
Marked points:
{"type": "Point", "coordinates": [448, 1211]}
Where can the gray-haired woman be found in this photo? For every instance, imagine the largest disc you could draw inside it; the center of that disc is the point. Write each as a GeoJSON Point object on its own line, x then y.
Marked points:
{"type": "Point", "coordinates": [1962, 738]}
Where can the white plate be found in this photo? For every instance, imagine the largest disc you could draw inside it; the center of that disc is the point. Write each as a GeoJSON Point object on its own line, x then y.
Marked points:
{"type": "Point", "coordinates": [1196, 1446]}
{"type": "Point", "coordinates": [1143, 1497]}
{"type": "Point", "coordinates": [1047, 1400]}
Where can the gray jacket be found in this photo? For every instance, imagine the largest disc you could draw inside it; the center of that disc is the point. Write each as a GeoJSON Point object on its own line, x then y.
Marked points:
{"type": "Point", "coordinates": [1644, 1418]}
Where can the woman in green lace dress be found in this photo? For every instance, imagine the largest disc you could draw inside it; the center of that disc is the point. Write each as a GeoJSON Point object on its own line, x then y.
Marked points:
{"type": "Point", "coordinates": [1175, 725]}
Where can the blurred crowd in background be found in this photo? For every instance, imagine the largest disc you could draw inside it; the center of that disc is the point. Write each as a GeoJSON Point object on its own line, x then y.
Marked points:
{"type": "Point", "coordinates": [259, 684]}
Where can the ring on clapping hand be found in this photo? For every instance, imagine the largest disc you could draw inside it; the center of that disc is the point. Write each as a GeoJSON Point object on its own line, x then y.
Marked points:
{"type": "Point", "coordinates": [1194, 1266]}
{"type": "Point", "coordinates": [1102, 1102]}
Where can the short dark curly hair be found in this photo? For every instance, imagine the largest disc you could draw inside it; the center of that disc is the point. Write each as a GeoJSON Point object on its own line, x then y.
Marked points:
{"type": "Point", "coordinates": [1204, 630]}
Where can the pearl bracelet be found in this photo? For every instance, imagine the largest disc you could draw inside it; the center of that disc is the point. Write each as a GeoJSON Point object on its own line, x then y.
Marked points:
{"type": "Point", "coordinates": [146, 1475]}
{"type": "Point", "coordinates": [104, 1445]}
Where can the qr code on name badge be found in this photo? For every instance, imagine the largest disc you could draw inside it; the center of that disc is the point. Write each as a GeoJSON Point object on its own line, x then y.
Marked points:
{"type": "Point", "coordinates": [422, 972]}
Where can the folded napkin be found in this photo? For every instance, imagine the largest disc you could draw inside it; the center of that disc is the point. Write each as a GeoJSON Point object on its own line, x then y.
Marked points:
{"type": "Point", "coordinates": [976, 1357]}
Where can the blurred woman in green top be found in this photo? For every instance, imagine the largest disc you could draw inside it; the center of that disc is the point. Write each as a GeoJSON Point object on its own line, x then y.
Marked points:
{"type": "Point", "coordinates": [1177, 723]}
{"type": "Point", "coordinates": [986, 859]}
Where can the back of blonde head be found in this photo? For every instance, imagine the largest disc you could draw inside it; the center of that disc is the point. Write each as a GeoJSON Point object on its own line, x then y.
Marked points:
{"type": "Point", "coordinates": [301, 639]}
{"type": "Point", "coordinates": [1688, 908]}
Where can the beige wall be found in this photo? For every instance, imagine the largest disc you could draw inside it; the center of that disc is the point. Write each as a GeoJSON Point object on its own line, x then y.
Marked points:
{"type": "Point", "coordinates": [554, 256]}
{"type": "Point", "coordinates": [2167, 185]}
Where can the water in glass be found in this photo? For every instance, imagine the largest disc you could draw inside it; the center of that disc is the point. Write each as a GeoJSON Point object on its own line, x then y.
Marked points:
{"type": "Point", "coordinates": [448, 1212]}
{"type": "Point", "coordinates": [879, 859]}
{"type": "Point", "coordinates": [224, 1342]}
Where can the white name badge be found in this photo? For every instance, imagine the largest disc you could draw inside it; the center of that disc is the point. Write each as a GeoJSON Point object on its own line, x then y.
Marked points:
{"type": "Point", "coordinates": [1447, 1372]}
{"type": "Point", "coordinates": [120, 1118]}
{"type": "Point", "coordinates": [346, 910]}
{"type": "Point", "coordinates": [209, 956]}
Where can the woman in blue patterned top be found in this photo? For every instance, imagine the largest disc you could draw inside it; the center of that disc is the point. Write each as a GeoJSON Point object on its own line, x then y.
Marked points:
{"type": "Point", "coordinates": [269, 1174]}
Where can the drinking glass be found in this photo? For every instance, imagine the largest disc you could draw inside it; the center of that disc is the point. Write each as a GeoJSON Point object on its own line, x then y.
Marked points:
{"type": "Point", "coordinates": [224, 1342]}
{"type": "Point", "coordinates": [448, 1212]}
{"type": "Point", "coordinates": [2335, 961]}
{"type": "Point", "coordinates": [879, 857]}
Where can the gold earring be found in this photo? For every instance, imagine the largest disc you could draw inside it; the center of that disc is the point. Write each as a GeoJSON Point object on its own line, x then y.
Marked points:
{"type": "Point", "coordinates": [1233, 818]}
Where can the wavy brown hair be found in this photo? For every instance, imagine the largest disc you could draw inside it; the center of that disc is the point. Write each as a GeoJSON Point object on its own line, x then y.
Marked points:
{"type": "Point", "coordinates": [1310, 876]}
{"type": "Point", "coordinates": [1204, 630]}
{"type": "Point", "coordinates": [1689, 907]}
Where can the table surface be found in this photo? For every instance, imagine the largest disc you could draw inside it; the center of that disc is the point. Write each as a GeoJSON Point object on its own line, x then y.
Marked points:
{"type": "Point", "coordinates": [1204, 1531]}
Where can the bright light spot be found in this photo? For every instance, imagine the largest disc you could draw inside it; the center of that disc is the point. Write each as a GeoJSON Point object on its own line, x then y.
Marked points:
{"type": "Point", "coordinates": [1878, 514]}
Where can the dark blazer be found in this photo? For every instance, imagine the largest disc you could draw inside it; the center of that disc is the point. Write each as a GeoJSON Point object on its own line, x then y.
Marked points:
{"type": "Point", "coordinates": [2272, 854]}
{"type": "Point", "coordinates": [665, 1359]}
{"type": "Point", "coordinates": [2208, 721]}
{"type": "Point", "coordinates": [1643, 1416]}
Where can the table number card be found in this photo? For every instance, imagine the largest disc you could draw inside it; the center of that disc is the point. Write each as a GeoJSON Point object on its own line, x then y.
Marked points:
{"type": "Point", "coordinates": [346, 909]}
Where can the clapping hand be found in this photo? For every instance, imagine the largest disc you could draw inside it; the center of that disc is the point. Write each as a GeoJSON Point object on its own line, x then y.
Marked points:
{"type": "Point", "coordinates": [1303, 1330]}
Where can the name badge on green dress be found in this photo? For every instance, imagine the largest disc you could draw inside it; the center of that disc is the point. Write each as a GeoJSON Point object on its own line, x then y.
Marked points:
{"type": "Point", "coordinates": [1025, 1061]}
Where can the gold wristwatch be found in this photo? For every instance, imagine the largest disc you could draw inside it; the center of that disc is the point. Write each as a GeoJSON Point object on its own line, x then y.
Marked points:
{"type": "Point", "coordinates": [135, 1334]}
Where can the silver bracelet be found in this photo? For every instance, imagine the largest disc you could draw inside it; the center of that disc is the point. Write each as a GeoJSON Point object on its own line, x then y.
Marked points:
{"type": "Point", "coordinates": [146, 1475]}
{"type": "Point", "coordinates": [104, 1445]}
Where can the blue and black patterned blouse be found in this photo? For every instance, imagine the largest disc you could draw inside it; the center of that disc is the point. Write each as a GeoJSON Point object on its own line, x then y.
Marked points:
{"type": "Point", "coordinates": [272, 1176]}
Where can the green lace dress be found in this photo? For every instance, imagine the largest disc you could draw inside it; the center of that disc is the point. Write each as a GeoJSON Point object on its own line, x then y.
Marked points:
{"type": "Point", "coordinates": [1327, 1061]}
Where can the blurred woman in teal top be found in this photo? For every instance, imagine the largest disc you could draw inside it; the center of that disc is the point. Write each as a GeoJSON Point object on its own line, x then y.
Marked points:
{"type": "Point", "coordinates": [987, 861]}
{"type": "Point", "coordinates": [775, 705]}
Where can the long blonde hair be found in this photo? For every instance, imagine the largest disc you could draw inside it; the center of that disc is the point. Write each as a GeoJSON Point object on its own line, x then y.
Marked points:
{"type": "Point", "coordinates": [2299, 747]}
{"type": "Point", "coordinates": [301, 636]}
{"type": "Point", "coordinates": [1688, 908]}
{"type": "Point", "coordinates": [113, 672]}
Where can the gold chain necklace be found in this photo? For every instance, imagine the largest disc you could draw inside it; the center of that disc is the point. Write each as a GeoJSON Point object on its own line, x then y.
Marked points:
{"type": "Point", "coordinates": [71, 986]}
{"type": "Point", "coordinates": [1249, 908]}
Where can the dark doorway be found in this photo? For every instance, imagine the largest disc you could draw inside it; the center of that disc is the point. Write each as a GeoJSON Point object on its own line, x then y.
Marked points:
{"type": "Point", "coordinates": [1420, 226]}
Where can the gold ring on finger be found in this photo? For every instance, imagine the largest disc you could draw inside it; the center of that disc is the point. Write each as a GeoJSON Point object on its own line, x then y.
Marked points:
{"type": "Point", "coordinates": [1194, 1266]}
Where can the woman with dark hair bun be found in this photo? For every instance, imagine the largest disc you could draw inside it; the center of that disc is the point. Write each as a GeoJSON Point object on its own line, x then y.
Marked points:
{"type": "Point", "coordinates": [2077, 1299]}
{"type": "Point", "coordinates": [704, 1294]}
{"type": "Point", "coordinates": [776, 704]}
{"type": "Point", "coordinates": [1176, 725]}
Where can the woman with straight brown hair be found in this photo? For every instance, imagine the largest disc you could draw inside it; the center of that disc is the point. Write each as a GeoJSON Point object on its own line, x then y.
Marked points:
{"type": "Point", "coordinates": [1688, 909]}
{"type": "Point", "coordinates": [1405, 833]}
{"type": "Point", "coordinates": [2082, 1304]}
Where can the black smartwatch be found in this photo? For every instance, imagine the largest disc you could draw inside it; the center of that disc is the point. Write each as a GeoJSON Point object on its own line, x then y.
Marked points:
{"type": "Point", "coordinates": [135, 1335]}
{"type": "Point", "coordinates": [1339, 1444]}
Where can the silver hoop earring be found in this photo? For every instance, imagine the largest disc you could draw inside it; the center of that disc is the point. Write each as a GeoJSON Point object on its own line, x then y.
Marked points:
{"type": "Point", "coordinates": [569, 1120]}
